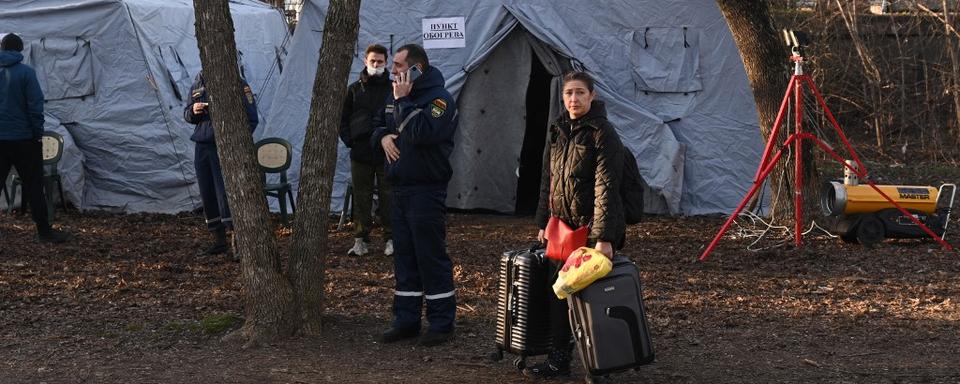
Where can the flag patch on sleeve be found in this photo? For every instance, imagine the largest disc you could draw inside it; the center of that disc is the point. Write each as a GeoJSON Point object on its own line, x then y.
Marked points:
{"type": "Point", "coordinates": [438, 107]}
{"type": "Point", "coordinates": [248, 93]}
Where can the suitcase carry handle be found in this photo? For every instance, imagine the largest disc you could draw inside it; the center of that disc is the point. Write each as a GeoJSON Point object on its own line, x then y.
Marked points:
{"type": "Point", "coordinates": [620, 259]}
{"type": "Point", "coordinates": [538, 245]}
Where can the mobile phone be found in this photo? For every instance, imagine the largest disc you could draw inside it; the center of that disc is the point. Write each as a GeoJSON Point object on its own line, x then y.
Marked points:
{"type": "Point", "coordinates": [413, 73]}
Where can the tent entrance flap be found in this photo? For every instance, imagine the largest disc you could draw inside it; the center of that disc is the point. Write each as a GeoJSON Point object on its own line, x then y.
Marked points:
{"type": "Point", "coordinates": [505, 106]}
{"type": "Point", "coordinates": [490, 135]}
{"type": "Point", "coordinates": [530, 168]}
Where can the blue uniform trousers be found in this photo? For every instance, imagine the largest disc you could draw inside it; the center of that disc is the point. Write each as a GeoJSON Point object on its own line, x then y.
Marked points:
{"type": "Point", "coordinates": [212, 192]}
{"type": "Point", "coordinates": [422, 266]}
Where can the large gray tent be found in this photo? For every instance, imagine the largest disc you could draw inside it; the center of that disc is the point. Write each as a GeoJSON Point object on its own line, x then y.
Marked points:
{"type": "Point", "coordinates": [669, 72]}
{"type": "Point", "coordinates": [116, 76]}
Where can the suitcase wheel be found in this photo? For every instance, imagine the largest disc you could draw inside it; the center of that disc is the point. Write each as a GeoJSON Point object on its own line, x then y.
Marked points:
{"type": "Point", "coordinates": [496, 355]}
{"type": "Point", "coordinates": [520, 363]}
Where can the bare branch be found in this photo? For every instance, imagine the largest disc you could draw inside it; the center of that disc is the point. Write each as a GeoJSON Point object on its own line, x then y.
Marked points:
{"type": "Point", "coordinates": [942, 19]}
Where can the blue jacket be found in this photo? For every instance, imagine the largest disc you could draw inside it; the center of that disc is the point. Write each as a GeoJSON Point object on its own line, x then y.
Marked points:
{"type": "Point", "coordinates": [21, 100]}
{"type": "Point", "coordinates": [203, 132]}
{"type": "Point", "coordinates": [426, 142]}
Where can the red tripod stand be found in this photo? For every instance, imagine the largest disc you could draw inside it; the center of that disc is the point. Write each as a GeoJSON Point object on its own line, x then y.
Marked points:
{"type": "Point", "coordinates": [767, 162]}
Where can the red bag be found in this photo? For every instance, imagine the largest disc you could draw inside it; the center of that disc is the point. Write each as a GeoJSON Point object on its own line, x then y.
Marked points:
{"type": "Point", "coordinates": [563, 240]}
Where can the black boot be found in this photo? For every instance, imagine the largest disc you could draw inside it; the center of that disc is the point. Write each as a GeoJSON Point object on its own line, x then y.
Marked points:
{"type": "Point", "coordinates": [394, 335]}
{"type": "Point", "coordinates": [53, 236]}
{"type": "Point", "coordinates": [557, 365]}
{"type": "Point", "coordinates": [219, 242]}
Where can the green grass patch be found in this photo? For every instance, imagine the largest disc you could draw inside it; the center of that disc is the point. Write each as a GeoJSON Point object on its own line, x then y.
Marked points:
{"type": "Point", "coordinates": [134, 327]}
{"type": "Point", "coordinates": [211, 324]}
{"type": "Point", "coordinates": [218, 322]}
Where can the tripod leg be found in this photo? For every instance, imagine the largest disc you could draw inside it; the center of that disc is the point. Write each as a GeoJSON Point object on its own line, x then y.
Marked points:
{"type": "Point", "coordinates": [776, 126]}
{"type": "Point", "coordinates": [798, 169]}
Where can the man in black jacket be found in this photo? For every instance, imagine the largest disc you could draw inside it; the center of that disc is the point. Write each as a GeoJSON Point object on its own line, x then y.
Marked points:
{"type": "Point", "coordinates": [365, 98]}
{"type": "Point", "coordinates": [416, 135]}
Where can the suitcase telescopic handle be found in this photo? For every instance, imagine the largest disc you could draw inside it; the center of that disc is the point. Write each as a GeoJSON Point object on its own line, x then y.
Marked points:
{"type": "Point", "coordinates": [537, 245]}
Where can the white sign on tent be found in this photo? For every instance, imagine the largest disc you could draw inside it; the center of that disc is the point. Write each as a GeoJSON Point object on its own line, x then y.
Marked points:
{"type": "Point", "coordinates": [444, 32]}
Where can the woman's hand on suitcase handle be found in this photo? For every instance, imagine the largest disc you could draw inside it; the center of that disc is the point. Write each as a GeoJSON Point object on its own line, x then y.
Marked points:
{"type": "Point", "coordinates": [540, 238]}
{"type": "Point", "coordinates": [606, 248]}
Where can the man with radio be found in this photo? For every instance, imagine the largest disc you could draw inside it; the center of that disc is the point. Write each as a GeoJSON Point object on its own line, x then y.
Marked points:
{"type": "Point", "coordinates": [207, 163]}
{"type": "Point", "coordinates": [415, 133]}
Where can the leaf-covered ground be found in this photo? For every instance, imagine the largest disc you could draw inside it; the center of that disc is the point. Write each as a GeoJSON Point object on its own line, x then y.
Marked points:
{"type": "Point", "coordinates": [132, 300]}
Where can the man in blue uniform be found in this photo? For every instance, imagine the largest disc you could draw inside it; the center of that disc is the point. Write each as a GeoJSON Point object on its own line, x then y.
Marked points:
{"type": "Point", "coordinates": [21, 126]}
{"type": "Point", "coordinates": [209, 177]}
{"type": "Point", "coordinates": [416, 135]}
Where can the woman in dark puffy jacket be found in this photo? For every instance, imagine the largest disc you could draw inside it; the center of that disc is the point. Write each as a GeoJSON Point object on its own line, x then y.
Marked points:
{"type": "Point", "coordinates": [580, 186]}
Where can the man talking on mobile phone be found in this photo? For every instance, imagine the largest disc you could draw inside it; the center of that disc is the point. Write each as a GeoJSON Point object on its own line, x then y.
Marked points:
{"type": "Point", "coordinates": [415, 133]}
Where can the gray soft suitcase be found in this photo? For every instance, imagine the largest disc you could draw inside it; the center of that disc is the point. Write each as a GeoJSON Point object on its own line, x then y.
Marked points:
{"type": "Point", "coordinates": [609, 322]}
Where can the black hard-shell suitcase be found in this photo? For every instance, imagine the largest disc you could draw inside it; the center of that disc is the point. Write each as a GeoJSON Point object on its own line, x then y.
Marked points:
{"type": "Point", "coordinates": [523, 324]}
{"type": "Point", "coordinates": [609, 322]}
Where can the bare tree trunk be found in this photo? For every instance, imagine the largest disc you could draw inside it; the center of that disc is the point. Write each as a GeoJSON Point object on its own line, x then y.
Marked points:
{"type": "Point", "coordinates": [268, 297]}
{"type": "Point", "coordinates": [763, 56]}
{"type": "Point", "coordinates": [307, 261]}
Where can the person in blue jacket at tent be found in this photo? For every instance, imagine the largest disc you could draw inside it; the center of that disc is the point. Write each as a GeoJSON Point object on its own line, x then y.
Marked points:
{"type": "Point", "coordinates": [21, 127]}
{"type": "Point", "coordinates": [416, 134]}
{"type": "Point", "coordinates": [209, 176]}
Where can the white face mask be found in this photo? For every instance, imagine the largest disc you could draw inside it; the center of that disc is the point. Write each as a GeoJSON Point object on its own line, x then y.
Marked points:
{"type": "Point", "coordinates": [375, 71]}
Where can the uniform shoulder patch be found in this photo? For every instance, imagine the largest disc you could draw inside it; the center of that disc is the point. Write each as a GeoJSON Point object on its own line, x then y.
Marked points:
{"type": "Point", "coordinates": [437, 108]}
{"type": "Point", "coordinates": [248, 93]}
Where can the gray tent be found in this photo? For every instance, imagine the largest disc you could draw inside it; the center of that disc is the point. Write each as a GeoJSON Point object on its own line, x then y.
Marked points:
{"type": "Point", "coordinates": [669, 72]}
{"type": "Point", "coordinates": [116, 76]}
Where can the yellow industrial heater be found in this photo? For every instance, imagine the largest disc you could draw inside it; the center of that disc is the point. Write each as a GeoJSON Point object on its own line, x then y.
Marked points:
{"type": "Point", "coordinates": [857, 212]}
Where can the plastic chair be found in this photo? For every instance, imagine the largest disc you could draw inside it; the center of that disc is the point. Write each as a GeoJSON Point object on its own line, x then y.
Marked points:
{"type": "Point", "coordinates": [52, 151]}
{"type": "Point", "coordinates": [274, 156]}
